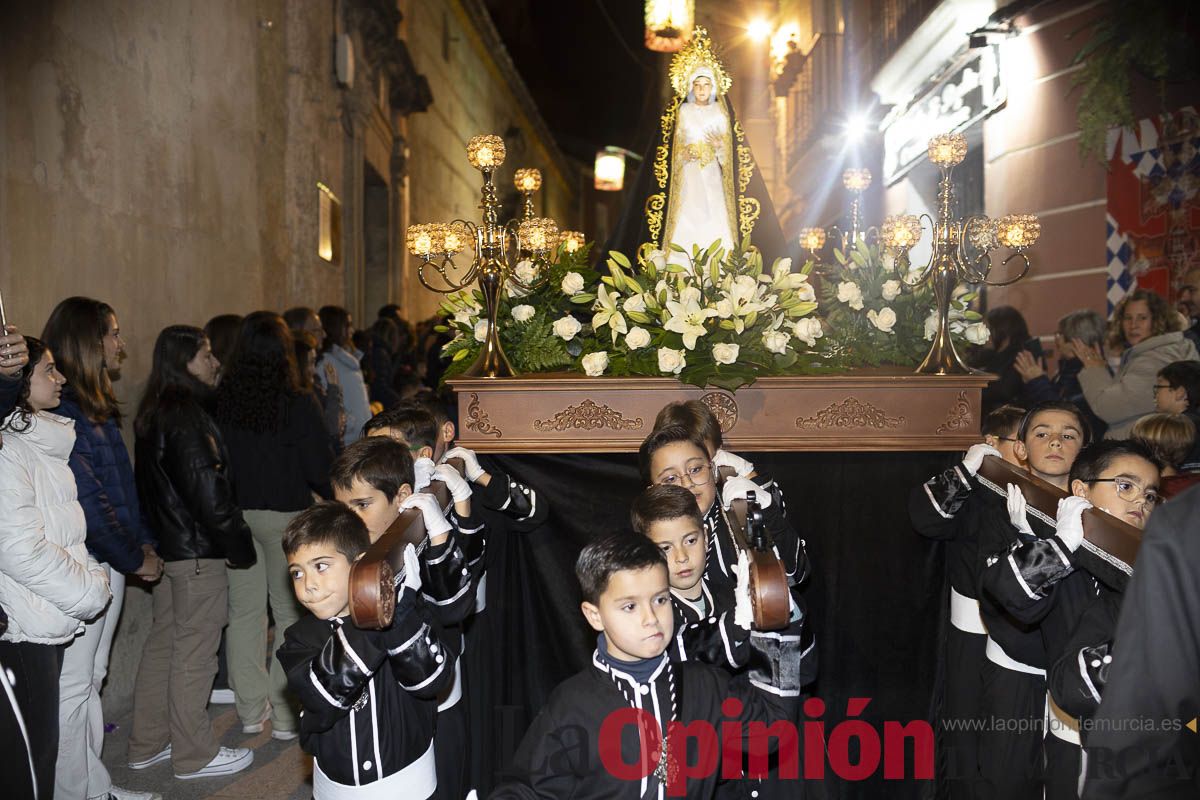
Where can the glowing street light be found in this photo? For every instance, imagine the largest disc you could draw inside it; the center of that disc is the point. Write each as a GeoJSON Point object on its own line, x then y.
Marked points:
{"type": "Point", "coordinates": [759, 29]}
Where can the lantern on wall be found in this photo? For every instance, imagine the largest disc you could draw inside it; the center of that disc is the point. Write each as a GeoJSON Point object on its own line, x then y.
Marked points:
{"type": "Point", "coordinates": [610, 169]}
{"type": "Point", "coordinates": [669, 24]}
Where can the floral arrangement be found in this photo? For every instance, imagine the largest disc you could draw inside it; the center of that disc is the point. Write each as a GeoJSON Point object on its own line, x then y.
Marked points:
{"type": "Point", "coordinates": [877, 318]}
{"type": "Point", "coordinates": [710, 317]}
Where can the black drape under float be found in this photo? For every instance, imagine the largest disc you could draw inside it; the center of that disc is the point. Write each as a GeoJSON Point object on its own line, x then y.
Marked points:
{"type": "Point", "coordinates": [645, 216]}
{"type": "Point", "coordinates": [877, 596]}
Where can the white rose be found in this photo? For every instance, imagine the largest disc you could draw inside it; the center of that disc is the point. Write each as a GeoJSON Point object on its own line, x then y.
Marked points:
{"type": "Point", "coordinates": [849, 293]}
{"type": "Point", "coordinates": [808, 330]}
{"type": "Point", "coordinates": [806, 293]}
{"type": "Point", "coordinates": [889, 261]}
{"type": "Point", "coordinates": [481, 330]}
{"type": "Point", "coordinates": [884, 319]}
{"type": "Point", "coordinates": [931, 326]}
{"type": "Point", "coordinates": [891, 290]}
{"type": "Point", "coordinates": [977, 333]}
{"type": "Point", "coordinates": [725, 353]}
{"type": "Point", "coordinates": [724, 308]}
{"type": "Point", "coordinates": [594, 364]}
{"type": "Point", "coordinates": [572, 283]}
{"type": "Point", "coordinates": [776, 341]}
{"type": "Point", "coordinates": [637, 337]}
{"type": "Point", "coordinates": [671, 361]}
{"type": "Point", "coordinates": [634, 303]}
{"type": "Point", "coordinates": [523, 313]}
{"type": "Point", "coordinates": [566, 327]}
{"type": "Point", "coordinates": [658, 258]}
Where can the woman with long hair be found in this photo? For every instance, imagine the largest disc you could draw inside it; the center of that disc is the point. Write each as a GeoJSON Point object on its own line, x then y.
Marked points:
{"type": "Point", "coordinates": [1009, 338]}
{"type": "Point", "coordinates": [222, 331]}
{"type": "Point", "coordinates": [49, 584]}
{"type": "Point", "coordinates": [85, 337]}
{"type": "Point", "coordinates": [280, 456]}
{"type": "Point", "coordinates": [183, 481]}
{"type": "Point", "coordinates": [308, 336]}
{"type": "Point", "coordinates": [339, 352]}
{"type": "Point", "coordinates": [1148, 334]}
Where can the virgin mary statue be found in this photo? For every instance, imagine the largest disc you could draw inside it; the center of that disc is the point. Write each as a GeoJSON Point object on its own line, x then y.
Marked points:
{"type": "Point", "coordinates": [699, 183]}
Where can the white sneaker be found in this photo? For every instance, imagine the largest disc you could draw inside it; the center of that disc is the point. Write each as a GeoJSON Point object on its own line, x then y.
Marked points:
{"type": "Point", "coordinates": [163, 755]}
{"type": "Point", "coordinates": [227, 761]}
{"type": "Point", "coordinates": [222, 697]}
{"type": "Point", "coordinates": [117, 793]}
{"type": "Point", "coordinates": [283, 735]}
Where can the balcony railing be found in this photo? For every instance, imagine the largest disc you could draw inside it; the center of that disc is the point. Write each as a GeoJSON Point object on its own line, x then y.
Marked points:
{"type": "Point", "coordinates": [815, 95]}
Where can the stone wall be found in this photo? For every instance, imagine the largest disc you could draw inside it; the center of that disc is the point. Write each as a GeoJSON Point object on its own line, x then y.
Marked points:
{"type": "Point", "coordinates": [164, 155]}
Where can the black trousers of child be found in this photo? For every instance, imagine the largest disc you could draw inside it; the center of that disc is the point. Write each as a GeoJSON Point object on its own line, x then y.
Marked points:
{"type": "Point", "coordinates": [961, 712]}
{"type": "Point", "coordinates": [1063, 764]}
{"type": "Point", "coordinates": [1013, 708]}
{"type": "Point", "coordinates": [34, 670]}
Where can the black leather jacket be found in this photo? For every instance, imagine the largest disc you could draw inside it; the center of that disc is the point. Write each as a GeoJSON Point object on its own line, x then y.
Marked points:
{"type": "Point", "coordinates": [184, 486]}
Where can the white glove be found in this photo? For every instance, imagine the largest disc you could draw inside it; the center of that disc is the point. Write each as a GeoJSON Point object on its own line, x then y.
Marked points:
{"type": "Point", "coordinates": [973, 460]}
{"type": "Point", "coordinates": [739, 465]}
{"type": "Point", "coordinates": [470, 462]}
{"type": "Point", "coordinates": [460, 490]}
{"type": "Point", "coordinates": [431, 512]}
{"type": "Point", "coordinates": [738, 488]}
{"type": "Point", "coordinates": [1016, 509]}
{"type": "Point", "coordinates": [1069, 520]}
{"type": "Point", "coordinates": [743, 611]}
{"type": "Point", "coordinates": [412, 569]}
{"type": "Point", "coordinates": [422, 473]}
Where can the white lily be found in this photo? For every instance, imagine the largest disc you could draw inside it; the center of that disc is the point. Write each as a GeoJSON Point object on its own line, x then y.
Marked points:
{"type": "Point", "coordinates": [687, 317]}
{"type": "Point", "coordinates": [607, 312]}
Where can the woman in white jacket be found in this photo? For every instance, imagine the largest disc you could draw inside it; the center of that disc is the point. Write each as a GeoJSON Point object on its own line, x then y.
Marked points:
{"type": "Point", "coordinates": [48, 583]}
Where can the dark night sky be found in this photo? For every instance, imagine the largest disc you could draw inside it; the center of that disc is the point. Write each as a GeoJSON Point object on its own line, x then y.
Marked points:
{"type": "Point", "coordinates": [592, 89]}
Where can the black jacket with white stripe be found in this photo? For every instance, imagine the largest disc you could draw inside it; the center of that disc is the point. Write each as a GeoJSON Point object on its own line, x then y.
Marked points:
{"type": "Point", "coordinates": [559, 755]}
{"type": "Point", "coordinates": [367, 696]}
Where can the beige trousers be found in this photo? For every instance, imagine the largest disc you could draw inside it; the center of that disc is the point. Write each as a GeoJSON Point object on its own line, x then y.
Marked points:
{"type": "Point", "coordinates": [179, 661]}
{"type": "Point", "coordinates": [253, 684]}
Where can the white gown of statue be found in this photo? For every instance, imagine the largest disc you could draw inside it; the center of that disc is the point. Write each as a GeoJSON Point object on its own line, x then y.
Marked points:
{"type": "Point", "coordinates": [702, 214]}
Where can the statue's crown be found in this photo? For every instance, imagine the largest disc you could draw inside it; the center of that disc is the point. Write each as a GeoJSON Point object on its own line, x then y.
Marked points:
{"type": "Point", "coordinates": [698, 53]}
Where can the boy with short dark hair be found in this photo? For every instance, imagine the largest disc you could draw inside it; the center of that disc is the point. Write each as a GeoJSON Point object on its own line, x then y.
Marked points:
{"type": "Point", "coordinates": [1012, 758]}
{"type": "Point", "coordinates": [1042, 580]}
{"type": "Point", "coordinates": [678, 456]}
{"type": "Point", "coordinates": [373, 477]}
{"type": "Point", "coordinates": [712, 632]}
{"type": "Point", "coordinates": [626, 599]}
{"type": "Point", "coordinates": [367, 696]}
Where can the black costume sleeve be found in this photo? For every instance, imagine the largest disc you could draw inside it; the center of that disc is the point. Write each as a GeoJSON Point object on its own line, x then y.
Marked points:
{"type": "Point", "coordinates": [1153, 675]}
{"type": "Point", "coordinates": [446, 581]}
{"type": "Point", "coordinates": [1022, 578]}
{"type": "Point", "coordinates": [542, 767]}
{"type": "Point", "coordinates": [716, 640]}
{"type": "Point", "coordinates": [1075, 679]}
{"type": "Point", "coordinates": [933, 505]}
{"type": "Point", "coordinates": [519, 502]}
{"type": "Point", "coordinates": [790, 546]}
{"type": "Point", "coordinates": [328, 677]}
{"type": "Point", "coordinates": [472, 533]}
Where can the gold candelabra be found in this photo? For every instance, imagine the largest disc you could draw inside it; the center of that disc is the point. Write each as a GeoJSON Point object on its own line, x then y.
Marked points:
{"type": "Point", "coordinates": [962, 248]}
{"type": "Point", "coordinates": [493, 247]}
{"type": "Point", "coordinates": [856, 181]}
